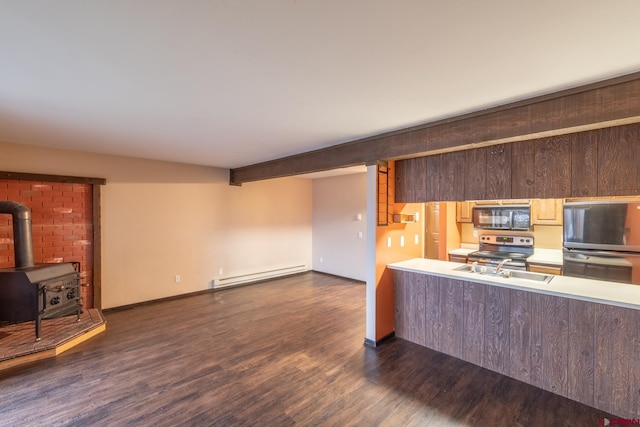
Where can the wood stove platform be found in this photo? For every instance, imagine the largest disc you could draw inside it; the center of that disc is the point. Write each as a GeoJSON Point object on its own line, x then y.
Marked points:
{"type": "Point", "coordinates": [18, 345]}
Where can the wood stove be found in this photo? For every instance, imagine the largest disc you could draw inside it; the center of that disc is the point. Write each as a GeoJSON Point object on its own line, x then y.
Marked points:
{"type": "Point", "coordinates": [35, 292]}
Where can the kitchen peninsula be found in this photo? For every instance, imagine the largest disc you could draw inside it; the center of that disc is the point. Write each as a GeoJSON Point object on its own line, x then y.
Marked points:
{"type": "Point", "coordinates": [579, 338]}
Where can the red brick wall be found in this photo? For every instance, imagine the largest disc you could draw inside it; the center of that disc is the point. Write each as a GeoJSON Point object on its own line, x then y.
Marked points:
{"type": "Point", "coordinates": [61, 221]}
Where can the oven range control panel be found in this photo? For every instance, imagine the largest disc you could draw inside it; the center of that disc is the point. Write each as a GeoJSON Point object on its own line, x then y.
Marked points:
{"type": "Point", "coordinates": [507, 240]}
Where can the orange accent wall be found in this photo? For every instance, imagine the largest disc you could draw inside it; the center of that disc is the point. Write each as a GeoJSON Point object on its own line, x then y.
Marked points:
{"type": "Point", "coordinates": [385, 301]}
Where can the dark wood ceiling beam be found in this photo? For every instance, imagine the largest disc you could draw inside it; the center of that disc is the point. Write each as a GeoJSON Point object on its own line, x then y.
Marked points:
{"type": "Point", "coordinates": [607, 103]}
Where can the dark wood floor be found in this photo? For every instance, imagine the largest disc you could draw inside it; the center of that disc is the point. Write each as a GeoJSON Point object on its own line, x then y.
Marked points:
{"type": "Point", "coordinates": [279, 353]}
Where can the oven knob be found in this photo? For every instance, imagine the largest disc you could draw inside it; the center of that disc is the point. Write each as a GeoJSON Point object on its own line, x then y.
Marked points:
{"type": "Point", "coordinates": [55, 300]}
{"type": "Point", "coordinates": [521, 240]}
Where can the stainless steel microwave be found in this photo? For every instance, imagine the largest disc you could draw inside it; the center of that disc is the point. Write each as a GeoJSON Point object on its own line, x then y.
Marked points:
{"type": "Point", "coordinates": [501, 217]}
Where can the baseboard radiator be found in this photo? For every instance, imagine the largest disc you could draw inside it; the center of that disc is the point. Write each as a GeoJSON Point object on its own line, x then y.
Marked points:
{"type": "Point", "coordinates": [242, 279]}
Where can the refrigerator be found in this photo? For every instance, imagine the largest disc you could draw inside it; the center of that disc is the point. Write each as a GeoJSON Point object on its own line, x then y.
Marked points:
{"type": "Point", "coordinates": [601, 240]}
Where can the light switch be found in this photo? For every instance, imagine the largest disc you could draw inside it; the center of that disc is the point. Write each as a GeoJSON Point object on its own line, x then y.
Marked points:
{"type": "Point", "coordinates": [388, 242]}
{"type": "Point", "coordinates": [401, 241]}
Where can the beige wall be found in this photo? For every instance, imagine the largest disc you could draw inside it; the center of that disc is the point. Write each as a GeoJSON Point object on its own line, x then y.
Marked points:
{"type": "Point", "coordinates": [337, 201]}
{"type": "Point", "coordinates": [162, 219]}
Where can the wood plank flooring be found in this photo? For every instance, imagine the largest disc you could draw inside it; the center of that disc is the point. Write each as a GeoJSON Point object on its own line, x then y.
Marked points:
{"type": "Point", "coordinates": [280, 353]}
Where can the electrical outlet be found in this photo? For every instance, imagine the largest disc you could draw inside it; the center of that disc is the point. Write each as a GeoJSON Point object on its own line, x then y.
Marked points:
{"type": "Point", "coordinates": [176, 278]}
{"type": "Point", "coordinates": [321, 260]}
{"type": "Point", "coordinates": [220, 271]}
{"type": "Point", "coordinates": [475, 233]}
{"type": "Point", "coordinates": [401, 241]}
{"type": "Point", "coordinates": [359, 234]}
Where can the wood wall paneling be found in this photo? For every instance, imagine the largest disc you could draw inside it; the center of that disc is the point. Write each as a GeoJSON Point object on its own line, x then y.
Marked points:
{"type": "Point", "coordinates": [553, 174]}
{"type": "Point", "coordinates": [593, 163]}
{"type": "Point", "coordinates": [617, 355]}
{"type": "Point", "coordinates": [473, 323]}
{"type": "Point", "coordinates": [411, 180]}
{"type": "Point", "coordinates": [451, 316]}
{"type": "Point", "coordinates": [520, 340]}
{"type": "Point", "coordinates": [433, 177]}
{"type": "Point", "coordinates": [417, 303]}
{"type": "Point", "coordinates": [523, 174]}
{"type": "Point", "coordinates": [496, 329]}
{"type": "Point", "coordinates": [618, 161]}
{"type": "Point", "coordinates": [584, 164]}
{"type": "Point", "coordinates": [555, 336]}
{"type": "Point", "coordinates": [452, 171]}
{"type": "Point", "coordinates": [498, 177]}
{"type": "Point", "coordinates": [432, 313]}
{"type": "Point", "coordinates": [400, 313]}
{"type": "Point", "coordinates": [475, 174]}
{"type": "Point", "coordinates": [581, 351]}
{"type": "Point", "coordinates": [586, 351]}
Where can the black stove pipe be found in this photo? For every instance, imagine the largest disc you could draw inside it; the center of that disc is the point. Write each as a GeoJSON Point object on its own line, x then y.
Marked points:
{"type": "Point", "coordinates": [22, 239]}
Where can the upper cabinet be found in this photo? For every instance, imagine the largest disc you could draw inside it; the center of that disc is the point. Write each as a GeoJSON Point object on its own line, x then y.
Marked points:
{"type": "Point", "coordinates": [603, 162]}
{"type": "Point", "coordinates": [411, 180]}
{"type": "Point", "coordinates": [487, 173]}
{"type": "Point", "coordinates": [546, 212]}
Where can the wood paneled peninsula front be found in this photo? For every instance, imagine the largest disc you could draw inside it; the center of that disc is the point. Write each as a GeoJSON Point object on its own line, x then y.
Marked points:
{"type": "Point", "coordinates": [578, 338]}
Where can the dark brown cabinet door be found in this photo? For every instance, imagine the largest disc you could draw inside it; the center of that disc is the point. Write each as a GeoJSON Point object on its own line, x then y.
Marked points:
{"type": "Point", "coordinates": [618, 161]}
{"type": "Point", "coordinates": [452, 172]}
{"type": "Point", "coordinates": [411, 180]}
{"type": "Point", "coordinates": [584, 164]}
{"type": "Point", "coordinates": [475, 174]}
{"type": "Point", "coordinates": [553, 174]}
{"type": "Point", "coordinates": [498, 181]}
{"type": "Point", "coordinates": [523, 170]}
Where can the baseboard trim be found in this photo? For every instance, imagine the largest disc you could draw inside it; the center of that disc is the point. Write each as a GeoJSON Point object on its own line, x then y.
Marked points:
{"type": "Point", "coordinates": [372, 343]}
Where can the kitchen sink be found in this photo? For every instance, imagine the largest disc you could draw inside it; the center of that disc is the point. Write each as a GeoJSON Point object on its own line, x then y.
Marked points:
{"type": "Point", "coordinates": [506, 273]}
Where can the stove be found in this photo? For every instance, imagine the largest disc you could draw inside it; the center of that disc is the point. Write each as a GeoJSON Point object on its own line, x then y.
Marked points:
{"type": "Point", "coordinates": [495, 249]}
{"type": "Point", "coordinates": [31, 291]}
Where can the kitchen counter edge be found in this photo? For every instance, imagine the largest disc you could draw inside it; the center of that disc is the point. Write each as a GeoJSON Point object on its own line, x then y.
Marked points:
{"type": "Point", "coordinates": [612, 293]}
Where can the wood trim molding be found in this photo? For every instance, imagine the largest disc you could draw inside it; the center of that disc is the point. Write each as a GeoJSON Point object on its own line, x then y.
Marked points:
{"type": "Point", "coordinates": [97, 247]}
{"type": "Point", "coordinates": [51, 178]}
{"type": "Point", "coordinates": [607, 103]}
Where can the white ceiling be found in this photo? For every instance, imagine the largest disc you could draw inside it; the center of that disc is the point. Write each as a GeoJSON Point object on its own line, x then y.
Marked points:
{"type": "Point", "coordinates": [229, 83]}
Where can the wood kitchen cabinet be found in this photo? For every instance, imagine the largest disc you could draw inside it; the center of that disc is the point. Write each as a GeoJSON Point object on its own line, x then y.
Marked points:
{"type": "Point", "coordinates": [445, 177]}
{"type": "Point", "coordinates": [487, 172]}
{"type": "Point", "coordinates": [498, 181]}
{"type": "Point", "coordinates": [585, 351]}
{"type": "Point", "coordinates": [618, 160]}
{"type": "Point", "coordinates": [546, 211]}
{"type": "Point", "coordinates": [544, 268]}
{"type": "Point", "coordinates": [604, 162]}
{"type": "Point", "coordinates": [596, 163]}
{"type": "Point", "coordinates": [458, 258]}
{"type": "Point", "coordinates": [552, 160]}
{"type": "Point", "coordinates": [411, 180]}
{"type": "Point", "coordinates": [464, 212]}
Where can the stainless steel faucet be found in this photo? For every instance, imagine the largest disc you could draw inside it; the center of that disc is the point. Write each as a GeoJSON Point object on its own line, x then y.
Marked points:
{"type": "Point", "coordinates": [501, 264]}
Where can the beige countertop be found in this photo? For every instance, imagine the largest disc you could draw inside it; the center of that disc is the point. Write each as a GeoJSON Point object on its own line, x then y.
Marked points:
{"type": "Point", "coordinates": [546, 256]}
{"type": "Point", "coordinates": [617, 294]}
{"type": "Point", "coordinates": [464, 249]}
